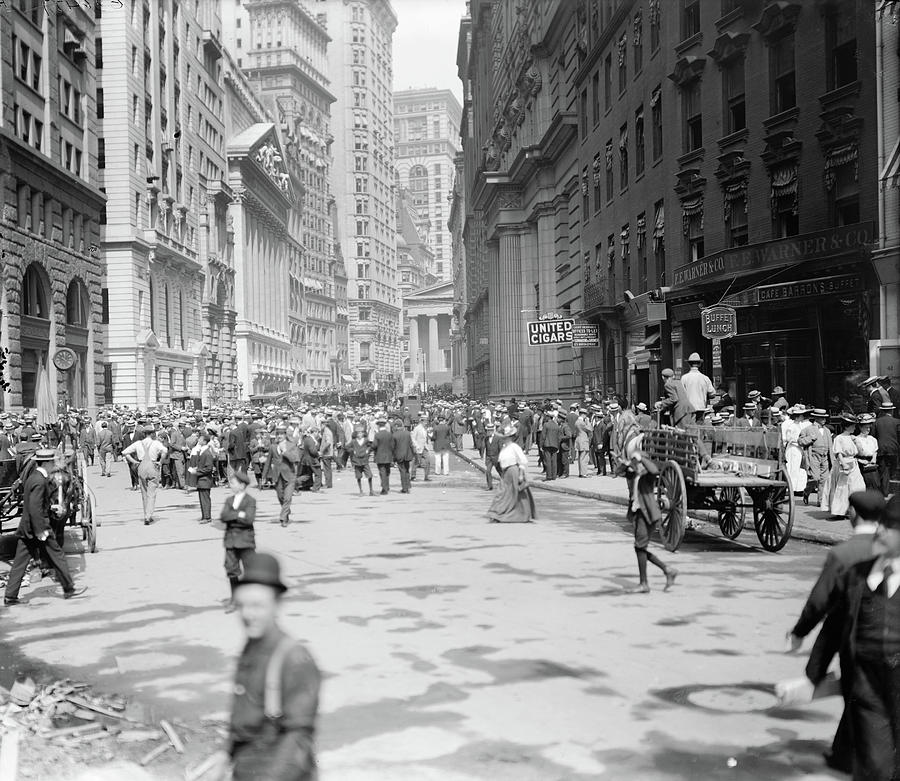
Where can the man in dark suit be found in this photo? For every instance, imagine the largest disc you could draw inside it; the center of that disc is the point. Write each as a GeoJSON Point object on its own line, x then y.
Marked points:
{"type": "Point", "coordinates": [205, 472]}
{"type": "Point", "coordinates": [550, 439]}
{"type": "Point", "coordinates": [238, 446]}
{"type": "Point", "coordinates": [675, 401]}
{"type": "Point", "coordinates": [887, 433]}
{"type": "Point", "coordinates": [383, 445]}
{"type": "Point", "coordinates": [238, 515]}
{"type": "Point", "coordinates": [281, 467]}
{"type": "Point", "coordinates": [867, 509]}
{"type": "Point", "coordinates": [403, 454]}
{"type": "Point", "coordinates": [35, 535]}
{"type": "Point", "coordinates": [526, 421]}
{"type": "Point", "coordinates": [310, 458]}
{"type": "Point", "coordinates": [442, 438]}
{"type": "Point", "coordinates": [491, 455]}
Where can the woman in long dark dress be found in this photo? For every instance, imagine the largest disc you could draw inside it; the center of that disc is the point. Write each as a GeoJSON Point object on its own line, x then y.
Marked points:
{"type": "Point", "coordinates": [513, 502]}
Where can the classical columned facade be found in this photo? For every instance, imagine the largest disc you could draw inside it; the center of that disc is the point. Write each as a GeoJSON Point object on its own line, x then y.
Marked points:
{"type": "Point", "coordinates": [429, 317]}
{"type": "Point", "coordinates": [263, 193]}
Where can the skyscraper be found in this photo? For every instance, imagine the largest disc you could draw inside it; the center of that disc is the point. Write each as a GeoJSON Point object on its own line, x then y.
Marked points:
{"type": "Point", "coordinates": [426, 132]}
{"type": "Point", "coordinates": [360, 58]}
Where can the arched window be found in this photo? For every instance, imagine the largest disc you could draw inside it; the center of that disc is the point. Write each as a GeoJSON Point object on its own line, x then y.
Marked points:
{"type": "Point", "coordinates": [77, 304]}
{"type": "Point", "coordinates": [35, 302]}
{"type": "Point", "coordinates": [152, 307]}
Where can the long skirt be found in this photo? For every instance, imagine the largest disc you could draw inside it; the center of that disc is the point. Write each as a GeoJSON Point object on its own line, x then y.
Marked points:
{"type": "Point", "coordinates": [513, 502]}
{"type": "Point", "coordinates": [841, 486]}
{"type": "Point", "coordinates": [872, 479]}
{"type": "Point", "coordinates": [793, 457]}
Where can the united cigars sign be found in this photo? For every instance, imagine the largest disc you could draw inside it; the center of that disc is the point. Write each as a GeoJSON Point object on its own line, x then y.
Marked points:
{"type": "Point", "coordinates": [771, 254]}
{"type": "Point", "coordinates": [718, 322]}
{"type": "Point", "coordinates": [557, 330]}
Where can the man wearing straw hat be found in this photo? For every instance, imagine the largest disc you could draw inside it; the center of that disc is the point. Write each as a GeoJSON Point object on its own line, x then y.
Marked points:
{"type": "Point", "coordinates": [816, 442]}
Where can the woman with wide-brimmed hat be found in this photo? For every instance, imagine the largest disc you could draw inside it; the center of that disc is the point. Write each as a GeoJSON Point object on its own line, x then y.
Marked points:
{"type": "Point", "coordinates": [513, 503]}
{"type": "Point", "coordinates": [845, 475]}
{"type": "Point", "coordinates": [791, 429]}
{"type": "Point", "coordinates": [867, 451]}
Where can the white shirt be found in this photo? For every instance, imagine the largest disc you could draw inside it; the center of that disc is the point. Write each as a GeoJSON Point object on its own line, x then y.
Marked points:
{"type": "Point", "coordinates": [876, 576]}
{"type": "Point", "coordinates": [864, 527]}
{"type": "Point", "coordinates": [512, 454]}
{"type": "Point", "coordinates": [238, 498]}
{"type": "Point", "coordinates": [698, 388]}
{"type": "Point", "coordinates": [155, 449]}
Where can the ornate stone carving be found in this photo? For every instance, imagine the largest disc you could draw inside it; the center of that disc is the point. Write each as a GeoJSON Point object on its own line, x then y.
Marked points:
{"type": "Point", "coordinates": [509, 199]}
{"type": "Point", "coordinates": [238, 193]}
{"type": "Point", "coordinates": [688, 70]}
{"type": "Point", "coordinates": [271, 161]}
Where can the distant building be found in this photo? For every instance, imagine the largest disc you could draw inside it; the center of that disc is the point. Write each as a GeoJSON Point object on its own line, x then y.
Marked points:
{"type": "Point", "coordinates": [161, 151]}
{"type": "Point", "coordinates": [426, 135]}
{"type": "Point", "coordinates": [52, 296]}
{"type": "Point", "coordinates": [360, 66]}
{"type": "Point", "coordinates": [415, 261]}
{"type": "Point", "coordinates": [428, 313]}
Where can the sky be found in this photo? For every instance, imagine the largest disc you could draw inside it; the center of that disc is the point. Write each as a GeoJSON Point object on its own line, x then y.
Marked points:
{"type": "Point", "coordinates": [425, 44]}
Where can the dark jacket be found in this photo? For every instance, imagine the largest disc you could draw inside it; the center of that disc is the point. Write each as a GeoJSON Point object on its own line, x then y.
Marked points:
{"type": "Point", "coordinates": [441, 437]}
{"type": "Point", "coordinates": [239, 442]}
{"type": "Point", "coordinates": [492, 448]}
{"type": "Point", "coordinates": [281, 465]}
{"type": "Point", "coordinates": [383, 446]}
{"type": "Point", "coordinates": [403, 450]}
{"type": "Point", "coordinates": [35, 505]}
{"type": "Point", "coordinates": [239, 523]}
{"type": "Point", "coordinates": [360, 452]}
{"type": "Point", "coordinates": [550, 434]}
{"type": "Point", "coordinates": [309, 456]}
{"type": "Point", "coordinates": [676, 402]}
{"type": "Point", "coordinates": [886, 431]}
{"type": "Point", "coordinates": [824, 593]}
{"type": "Point", "coordinates": [206, 469]}
{"type": "Point", "coordinates": [260, 749]}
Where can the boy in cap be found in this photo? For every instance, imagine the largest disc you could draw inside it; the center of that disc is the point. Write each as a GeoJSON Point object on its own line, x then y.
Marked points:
{"type": "Point", "coordinates": [360, 449]}
{"type": "Point", "coordinates": [276, 687]}
{"type": "Point", "coordinates": [238, 515]}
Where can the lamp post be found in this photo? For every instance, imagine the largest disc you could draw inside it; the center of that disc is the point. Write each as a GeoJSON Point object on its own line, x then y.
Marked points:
{"type": "Point", "coordinates": [424, 370]}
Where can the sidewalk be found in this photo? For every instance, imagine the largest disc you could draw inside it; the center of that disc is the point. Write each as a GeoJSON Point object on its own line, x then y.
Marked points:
{"type": "Point", "coordinates": [810, 523]}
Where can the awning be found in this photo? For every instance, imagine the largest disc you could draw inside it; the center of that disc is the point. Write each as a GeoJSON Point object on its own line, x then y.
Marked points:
{"type": "Point", "coordinates": [890, 176]}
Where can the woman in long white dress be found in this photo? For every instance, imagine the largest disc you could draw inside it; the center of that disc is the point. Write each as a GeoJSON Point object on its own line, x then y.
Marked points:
{"type": "Point", "coordinates": [867, 452]}
{"type": "Point", "coordinates": [513, 503]}
{"type": "Point", "coordinates": [845, 475]}
{"type": "Point", "coordinates": [793, 453]}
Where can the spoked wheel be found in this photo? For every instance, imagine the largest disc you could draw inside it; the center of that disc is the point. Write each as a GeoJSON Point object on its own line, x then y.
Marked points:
{"type": "Point", "coordinates": [671, 493]}
{"type": "Point", "coordinates": [731, 512]}
{"type": "Point", "coordinates": [88, 523]}
{"type": "Point", "coordinates": [773, 515]}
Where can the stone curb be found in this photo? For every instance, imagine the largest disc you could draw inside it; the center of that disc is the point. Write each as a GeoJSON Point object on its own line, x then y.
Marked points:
{"type": "Point", "coordinates": [819, 537]}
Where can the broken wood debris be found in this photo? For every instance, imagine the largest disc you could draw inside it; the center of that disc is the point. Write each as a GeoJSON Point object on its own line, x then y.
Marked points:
{"type": "Point", "coordinates": [161, 749]}
{"type": "Point", "coordinates": [173, 736]}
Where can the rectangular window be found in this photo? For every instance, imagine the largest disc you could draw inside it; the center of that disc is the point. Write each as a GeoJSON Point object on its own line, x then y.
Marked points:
{"type": "Point", "coordinates": [364, 347]}
{"type": "Point", "coordinates": [642, 254]}
{"type": "Point", "coordinates": [583, 116]}
{"type": "Point", "coordinates": [639, 153]}
{"type": "Point", "coordinates": [656, 119]}
{"type": "Point", "coordinates": [782, 75]}
{"type": "Point", "coordinates": [101, 153]}
{"type": "Point", "coordinates": [98, 53]}
{"type": "Point", "coordinates": [659, 244]}
{"type": "Point", "coordinates": [24, 57]}
{"type": "Point", "coordinates": [611, 265]}
{"type": "Point", "coordinates": [595, 94]}
{"type": "Point", "coordinates": [840, 32]}
{"type": "Point", "coordinates": [844, 196]}
{"type": "Point", "coordinates": [734, 93]}
{"type": "Point", "coordinates": [585, 194]}
{"type": "Point", "coordinates": [787, 222]}
{"type": "Point", "coordinates": [654, 28]}
{"type": "Point", "coordinates": [690, 18]}
{"type": "Point", "coordinates": [623, 157]}
{"type": "Point", "coordinates": [38, 137]}
{"type": "Point", "coordinates": [693, 117]}
{"type": "Point", "coordinates": [25, 128]}
{"type": "Point", "coordinates": [694, 238]}
{"type": "Point", "coordinates": [607, 81]}
{"type": "Point", "coordinates": [104, 305]}
{"type": "Point", "coordinates": [626, 260]}
{"type": "Point", "coordinates": [36, 72]}
{"type": "Point", "coordinates": [637, 45]}
{"type": "Point", "coordinates": [623, 64]}
{"type": "Point", "coordinates": [609, 173]}
{"type": "Point", "coordinates": [737, 223]}
{"type": "Point", "coordinates": [598, 191]}
{"type": "Point", "coordinates": [100, 107]}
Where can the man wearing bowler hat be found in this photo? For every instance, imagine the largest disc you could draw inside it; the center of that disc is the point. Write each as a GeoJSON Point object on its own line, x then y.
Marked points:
{"type": "Point", "coordinates": [35, 534]}
{"type": "Point", "coordinates": [238, 515]}
{"type": "Point", "coordinates": [276, 687]}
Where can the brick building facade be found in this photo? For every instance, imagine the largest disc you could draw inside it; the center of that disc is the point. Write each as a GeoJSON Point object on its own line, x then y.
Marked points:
{"type": "Point", "coordinates": [51, 295]}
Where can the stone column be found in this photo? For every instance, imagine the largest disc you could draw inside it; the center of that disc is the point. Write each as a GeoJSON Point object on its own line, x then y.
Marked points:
{"type": "Point", "coordinates": [414, 361]}
{"type": "Point", "coordinates": [507, 321]}
{"type": "Point", "coordinates": [435, 363]}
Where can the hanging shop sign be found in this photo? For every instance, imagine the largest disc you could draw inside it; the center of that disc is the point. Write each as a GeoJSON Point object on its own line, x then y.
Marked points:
{"type": "Point", "coordinates": [718, 322]}
{"type": "Point", "coordinates": [556, 330]}
{"type": "Point", "coordinates": [586, 335]}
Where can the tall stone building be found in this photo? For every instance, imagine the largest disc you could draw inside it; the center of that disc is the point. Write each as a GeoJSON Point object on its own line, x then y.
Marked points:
{"type": "Point", "coordinates": [360, 66]}
{"type": "Point", "coordinates": [162, 152]}
{"type": "Point", "coordinates": [52, 305]}
{"type": "Point", "coordinates": [426, 135]}
{"type": "Point", "coordinates": [456, 224]}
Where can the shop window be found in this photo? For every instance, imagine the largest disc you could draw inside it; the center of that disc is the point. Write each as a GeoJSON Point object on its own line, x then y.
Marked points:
{"type": "Point", "coordinates": [35, 301]}
{"type": "Point", "coordinates": [844, 197]}
{"type": "Point", "coordinates": [785, 217]}
{"type": "Point", "coordinates": [840, 40]}
{"type": "Point", "coordinates": [737, 231]}
{"type": "Point", "coordinates": [690, 18]}
{"type": "Point", "coordinates": [693, 117]}
{"type": "Point", "coordinates": [783, 87]}
{"type": "Point", "coordinates": [734, 95]}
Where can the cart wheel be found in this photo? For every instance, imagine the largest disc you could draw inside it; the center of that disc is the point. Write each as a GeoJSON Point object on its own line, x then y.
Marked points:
{"type": "Point", "coordinates": [88, 523]}
{"type": "Point", "coordinates": [671, 493]}
{"type": "Point", "coordinates": [731, 512]}
{"type": "Point", "coordinates": [773, 515]}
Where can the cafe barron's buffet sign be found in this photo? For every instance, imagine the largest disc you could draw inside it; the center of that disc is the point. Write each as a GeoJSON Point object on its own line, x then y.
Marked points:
{"type": "Point", "coordinates": [771, 254]}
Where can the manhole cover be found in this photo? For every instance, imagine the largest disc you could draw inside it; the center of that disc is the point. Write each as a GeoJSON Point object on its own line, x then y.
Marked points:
{"type": "Point", "coordinates": [733, 700]}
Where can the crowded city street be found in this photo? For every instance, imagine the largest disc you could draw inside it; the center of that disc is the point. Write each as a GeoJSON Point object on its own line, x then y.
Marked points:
{"type": "Point", "coordinates": [451, 648]}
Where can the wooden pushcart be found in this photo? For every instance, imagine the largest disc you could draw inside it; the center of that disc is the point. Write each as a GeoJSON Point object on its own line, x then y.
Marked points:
{"type": "Point", "coordinates": [727, 471]}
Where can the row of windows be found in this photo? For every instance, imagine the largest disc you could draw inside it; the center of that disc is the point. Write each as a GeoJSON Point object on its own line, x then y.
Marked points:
{"type": "Point", "coordinates": [37, 212]}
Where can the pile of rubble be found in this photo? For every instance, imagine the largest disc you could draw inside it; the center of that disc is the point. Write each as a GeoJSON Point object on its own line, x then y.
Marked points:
{"type": "Point", "coordinates": [89, 728]}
